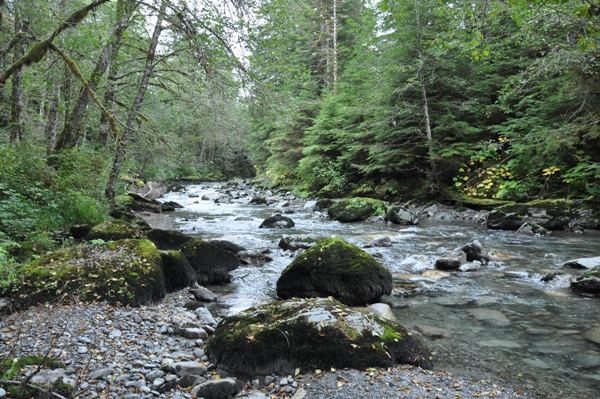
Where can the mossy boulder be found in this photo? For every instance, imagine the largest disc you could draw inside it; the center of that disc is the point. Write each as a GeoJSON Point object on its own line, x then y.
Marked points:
{"type": "Point", "coordinates": [177, 271]}
{"type": "Point", "coordinates": [550, 214]}
{"type": "Point", "coordinates": [311, 334]}
{"type": "Point", "coordinates": [114, 230]}
{"type": "Point", "coordinates": [333, 267]}
{"type": "Point", "coordinates": [588, 282]}
{"type": "Point", "coordinates": [128, 272]}
{"type": "Point", "coordinates": [277, 222]}
{"type": "Point", "coordinates": [211, 263]}
{"type": "Point", "coordinates": [355, 209]}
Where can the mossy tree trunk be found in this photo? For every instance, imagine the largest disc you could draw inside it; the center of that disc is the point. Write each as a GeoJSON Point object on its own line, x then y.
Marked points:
{"type": "Point", "coordinates": [71, 132]}
{"type": "Point", "coordinates": [122, 141]}
{"type": "Point", "coordinates": [17, 106]}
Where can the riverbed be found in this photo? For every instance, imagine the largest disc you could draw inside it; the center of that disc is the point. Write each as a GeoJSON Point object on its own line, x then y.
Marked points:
{"type": "Point", "coordinates": [500, 322]}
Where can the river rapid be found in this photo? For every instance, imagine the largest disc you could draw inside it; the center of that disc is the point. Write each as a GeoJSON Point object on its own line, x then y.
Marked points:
{"type": "Point", "coordinates": [500, 322]}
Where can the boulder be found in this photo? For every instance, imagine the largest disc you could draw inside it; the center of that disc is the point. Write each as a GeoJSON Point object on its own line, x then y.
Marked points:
{"type": "Point", "coordinates": [532, 229]}
{"type": "Point", "coordinates": [79, 231]}
{"type": "Point", "coordinates": [549, 214]}
{"type": "Point", "coordinates": [258, 201]}
{"type": "Point", "coordinates": [114, 230]}
{"type": "Point", "coordinates": [277, 222]}
{"type": "Point", "coordinates": [323, 203]}
{"type": "Point", "coordinates": [583, 263]}
{"type": "Point", "coordinates": [212, 264]}
{"type": "Point", "coordinates": [294, 243]}
{"type": "Point", "coordinates": [203, 294]}
{"type": "Point", "coordinates": [398, 215]}
{"type": "Point", "coordinates": [355, 209]}
{"type": "Point", "coordinates": [451, 261]}
{"type": "Point", "coordinates": [177, 271]}
{"type": "Point", "coordinates": [167, 239]}
{"type": "Point", "coordinates": [136, 203]}
{"type": "Point", "coordinates": [150, 189]}
{"type": "Point", "coordinates": [253, 258]}
{"type": "Point", "coordinates": [333, 267]}
{"type": "Point", "coordinates": [476, 252]}
{"type": "Point", "coordinates": [227, 246]}
{"type": "Point", "coordinates": [224, 388]}
{"type": "Point", "coordinates": [311, 334]}
{"type": "Point", "coordinates": [379, 242]}
{"type": "Point", "coordinates": [588, 282]}
{"type": "Point", "coordinates": [128, 272]}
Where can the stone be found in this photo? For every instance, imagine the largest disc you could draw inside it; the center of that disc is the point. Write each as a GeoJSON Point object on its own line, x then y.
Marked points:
{"type": "Point", "coordinates": [191, 332]}
{"type": "Point", "coordinates": [476, 252]}
{"type": "Point", "coordinates": [203, 294]}
{"type": "Point", "coordinates": [532, 229]}
{"type": "Point", "coordinates": [186, 368]}
{"type": "Point", "coordinates": [102, 373]}
{"type": "Point", "coordinates": [205, 316]}
{"type": "Point", "coordinates": [470, 266]}
{"type": "Point", "coordinates": [431, 331]}
{"type": "Point", "coordinates": [403, 216]}
{"type": "Point", "coordinates": [294, 243]}
{"type": "Point", "coordinates": [549, 214]}
{"type": "Point", "coordinates": [499, 343]}
{"type": "Point", "coordinates": [451, 261]}
{"type": "Point", "coordinates": [167, 239]}
{"type": "Point", "coordinates": [593, 335]}
{"type": "Point", "coordinates": [583, 263]}
{"type": "Point", "coordinates": [225, 388]}
{"type": "Point", "coordinates": [211, 263]}
{"type": "Point", "coordinates": [154, 374]}
{"type": "Point", "coordinates": [333, 267]}
{"type": "Point", "coordinates": [381, 310]}
{"type": "Point", "coordinates": [277, 222]}
{"type": "Point", "coordinates": [490, 316]}
{"type": "Point", "coordinates": [588, 282]}
{"type": "Point", "coordinates": [282, 336]}
{"type": "Point", "coordinates": [379, 242]}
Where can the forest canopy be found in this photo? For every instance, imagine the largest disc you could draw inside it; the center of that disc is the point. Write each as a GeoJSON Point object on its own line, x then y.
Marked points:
{"type": "Point", "coordinates": [395, 99]}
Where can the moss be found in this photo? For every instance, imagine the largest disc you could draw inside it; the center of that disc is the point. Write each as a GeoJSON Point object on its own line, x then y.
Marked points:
{"type": "Point", "coordinates": [356, 209]}
{"type": "Point", "coordinates": [595, 272]}
{"type": "Point", "coordinates": [11, 368]}
{"type": "Point", "coordinates": [114, 230]}
{"type": "Point", "coordinates": [125, 271]}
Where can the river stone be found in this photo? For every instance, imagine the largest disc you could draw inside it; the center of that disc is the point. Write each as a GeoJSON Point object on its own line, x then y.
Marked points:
{"type": "Point", "coordinates": [114, 230]}
{"type": "Point", "coordinates": [293, 243]}
{"type": "Point", "coordinates": [583, 263]}
{"type": "Point", "coordinates": [277, 222]}
{"type": "Point", "coordinates": [212, 264]}
{"type": "Point", "coordinates": [379, 242]}
{"type": "Point", "coordinates": [593, 335]}
{"type": "Point", "coordinates": [588, 282]}
{"type": "Point", "coordinates": [227, 246]}
{"type": "Point", "coordinates": [167, 239]}
{"type": "Point", "coordinates": [499, 343]}
{"type": "Point", "coordinates": [451, 261]}
{"type": "Point", "coordinates": [540, 364]}
{"type": "Point", "coordinates": [128, 272]}
{"type": "Point", "coordinates": [333, 267]}
{"type": "Point", "coordinates": [224, 388]}
{"type": "Point", "coordinates": [186, 368]}
{"type": "Point", "coordinates": [203, 294]}
{"type": "Point", "coordinates": [282, 336]}
{"type": "Point", "coordinates": [355, 209]}
{"type": "Point", "coordinates": [381, 310]}
{"type": "Point", "coordinates": [432, 332]}
{"type": "Point", "coordinates": [491, 316]}
{"type": "Point", "coordinates": [398, 215]}
{"type": "Point", "coordinates": [476, 252]}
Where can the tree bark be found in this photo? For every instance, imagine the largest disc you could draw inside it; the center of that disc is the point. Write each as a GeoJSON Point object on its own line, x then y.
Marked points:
{"type": "Point", "coordinates": [70, 135]}
{"type": "Point", "coordinates": [122, 141]}
{"type": "Point", "coordinates": [17, 107]}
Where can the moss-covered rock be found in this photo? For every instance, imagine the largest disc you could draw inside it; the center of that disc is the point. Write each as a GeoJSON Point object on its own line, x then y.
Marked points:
{"type": "Point", "coordinates": [333, 267]}
{"type": "Point", "coordinates": [549, 214]}
{"type": "Point", "coordinates": [212, 264]}
{"type": "Point", "coordinates": [128, 272]}
{"type": "Point", "coordinates": [114, 230]}
{"type": "Point", "coordinates": [311, 334]}
{"type": "Point", "coordinates": [277, 222]}
{"type": "Point", "coordinates": [177, 271]}
{"type": "Point", "coordinates": [588, 282]}
{"type": "Point", "coordinates": [355, 209]}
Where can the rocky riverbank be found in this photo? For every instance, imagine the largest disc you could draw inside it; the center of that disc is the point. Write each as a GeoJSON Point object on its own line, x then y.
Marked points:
{"type": "Point", "coordinates": [131, 353]}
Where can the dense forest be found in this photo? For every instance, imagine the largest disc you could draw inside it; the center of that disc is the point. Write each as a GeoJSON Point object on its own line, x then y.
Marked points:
{"type": "Point", "coordinates": [396, 99]}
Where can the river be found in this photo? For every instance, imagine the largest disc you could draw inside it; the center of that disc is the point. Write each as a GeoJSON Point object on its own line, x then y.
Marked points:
{"type": "Point", "coordinates": [500, 322]}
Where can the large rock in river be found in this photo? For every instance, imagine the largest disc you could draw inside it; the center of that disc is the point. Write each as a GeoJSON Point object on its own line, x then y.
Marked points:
{"type": "Point", "coordinates": [355, 209]}
{"type": "Point", "coordinates": [128, 272]}
{"type": "Point", "coordinates": [333, 267]}
{"type": "Point", "coordinates": [311, 334]}
{"type": "Point", "coordinates": [550, 214]}
{"type": "Point", "coordinates": [113, 230]}
{"type": "Point", "coordinates": [588, 282]}
{"type": "Point", "coordinates": [212, 264]}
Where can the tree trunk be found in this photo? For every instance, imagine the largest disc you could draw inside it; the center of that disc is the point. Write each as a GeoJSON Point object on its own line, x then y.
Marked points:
{"type": "Point", "coordinates": [17, 107]}
{"type": "Point", "coordinates": [111, 186]}
{"type": "Point", "coordinates": [335, 52]}
{"type": "Point", "coordinates": [71, 132]}
{"type": "Point", "coordinates": [421, 73]}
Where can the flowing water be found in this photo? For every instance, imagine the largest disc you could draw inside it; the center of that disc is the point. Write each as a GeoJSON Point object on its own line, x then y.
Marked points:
{"type": "Point", "coordinates": [500, 322]}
